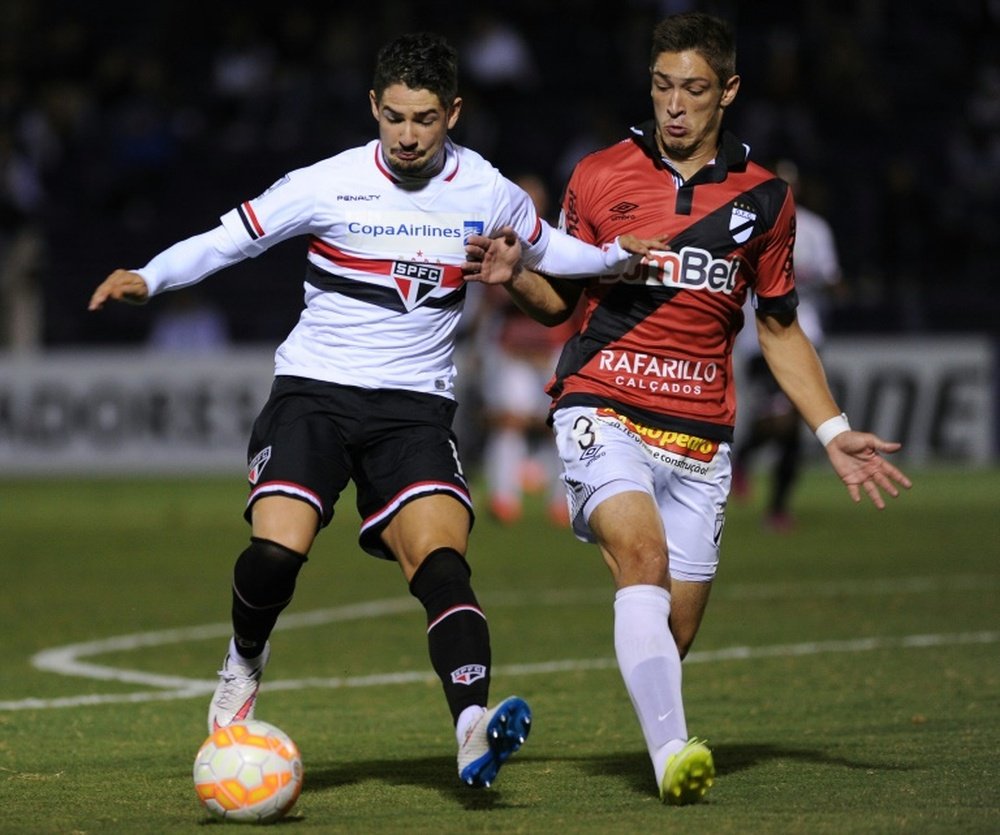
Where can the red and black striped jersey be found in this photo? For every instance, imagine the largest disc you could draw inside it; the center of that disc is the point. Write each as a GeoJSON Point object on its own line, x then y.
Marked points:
{"type": "Point", "coordinates": [656, 343]}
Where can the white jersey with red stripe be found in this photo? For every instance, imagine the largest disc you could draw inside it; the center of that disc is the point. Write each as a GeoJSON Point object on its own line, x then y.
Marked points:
{"type": "Point", "coordinates": [383, 288]}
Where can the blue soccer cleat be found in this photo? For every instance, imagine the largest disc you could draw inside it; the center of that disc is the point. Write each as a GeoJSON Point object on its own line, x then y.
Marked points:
{"type": "Point", "coordinates": [491, 741]}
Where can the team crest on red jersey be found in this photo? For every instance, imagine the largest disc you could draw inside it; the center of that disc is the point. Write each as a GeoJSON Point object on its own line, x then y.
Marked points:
{"type": "Point", "coordinates": [416, 281]}
{"type": "Point", "coordinates": [741, 223]}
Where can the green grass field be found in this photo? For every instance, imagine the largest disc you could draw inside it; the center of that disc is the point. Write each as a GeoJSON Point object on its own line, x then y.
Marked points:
{"type": "Point", "coordinates": [847, 675]}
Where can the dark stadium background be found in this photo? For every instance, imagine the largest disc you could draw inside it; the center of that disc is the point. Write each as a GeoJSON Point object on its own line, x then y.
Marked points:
{"type": "Point", "coordinates": [142, 123]}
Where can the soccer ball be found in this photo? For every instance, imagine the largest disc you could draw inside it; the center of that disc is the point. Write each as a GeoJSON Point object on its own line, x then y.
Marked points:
{"type": "Point", "coordinates": [248, 771]}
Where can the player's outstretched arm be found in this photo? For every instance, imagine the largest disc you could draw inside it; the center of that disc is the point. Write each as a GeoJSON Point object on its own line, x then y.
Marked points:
{"type": "Point", "coordinates": [497, 260]}
{"type": "Point", "coordinates": [857, 459]}
{"type": "Point", "coordinates": [120, 286]}
{"type": "Point", "coordinates": [643, 246]}
{"type": "Point", "coordinates": [545, 299]}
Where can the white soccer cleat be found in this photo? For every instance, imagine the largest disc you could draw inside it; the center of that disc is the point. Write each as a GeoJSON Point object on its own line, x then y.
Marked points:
{"type": "Point", "coordinates": [491, 741]}
{"type": "Point", "coordinates": [239, 681]}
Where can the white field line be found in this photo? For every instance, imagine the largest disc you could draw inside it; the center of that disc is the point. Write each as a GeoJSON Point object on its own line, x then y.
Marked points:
{"type": "Point", "coordinates": [65, 660]}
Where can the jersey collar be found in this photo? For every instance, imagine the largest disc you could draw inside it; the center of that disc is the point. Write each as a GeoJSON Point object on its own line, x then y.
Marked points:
{"type": "Point", "coordinates": [447, 173]}
{"type": "Point", "coordinates": [732, 155]}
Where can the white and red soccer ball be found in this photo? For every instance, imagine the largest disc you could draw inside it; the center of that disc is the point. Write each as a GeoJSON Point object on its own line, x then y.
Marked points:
{"type": "Point", "coordinates": [248, 771]}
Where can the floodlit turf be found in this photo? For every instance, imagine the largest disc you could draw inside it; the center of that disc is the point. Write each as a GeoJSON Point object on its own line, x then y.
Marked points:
{"type": "Point", "coordinates": [846, 677]}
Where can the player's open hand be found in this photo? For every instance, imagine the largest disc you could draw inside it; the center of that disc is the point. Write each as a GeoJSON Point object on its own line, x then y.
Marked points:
{"type": "Point", "coordinates": [857, 458]}
{"type": "Point", "coordinates": [494, 260]}
{"type": "Point", "coordinates": [120, 286]}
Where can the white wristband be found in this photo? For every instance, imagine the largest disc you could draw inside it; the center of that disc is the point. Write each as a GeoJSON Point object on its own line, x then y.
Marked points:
{"type": "Point", "coordinates": [830, 429]}
{"type": "Point", "coordinates": [615, 254]}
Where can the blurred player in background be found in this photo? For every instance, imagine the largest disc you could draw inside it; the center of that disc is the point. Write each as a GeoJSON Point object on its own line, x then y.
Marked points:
{"type": "Point", "coordinates": [643, 396]}
{"type": "Point", "coordinates": [768, 417]}
{"type": "Point", "coordinates": [364, 383]}
{"type": "Point", "coordinates": [518, 358]}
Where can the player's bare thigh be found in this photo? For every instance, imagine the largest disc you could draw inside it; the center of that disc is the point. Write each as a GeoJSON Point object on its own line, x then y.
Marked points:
{"type": "Point", "coordinates": [630, 535]}
{"type": "Point", "coordinates": [287, 521]}
{"type": "Point", "coordinates": [424, 525]}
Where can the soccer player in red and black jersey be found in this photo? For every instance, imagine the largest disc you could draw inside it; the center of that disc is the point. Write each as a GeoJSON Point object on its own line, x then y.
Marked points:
{"type": "Point", "coordinates": [643, 395]}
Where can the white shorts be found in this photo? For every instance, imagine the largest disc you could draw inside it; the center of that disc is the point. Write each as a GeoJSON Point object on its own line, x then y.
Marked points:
{"type": "Point", "coordinates": [604, 454]}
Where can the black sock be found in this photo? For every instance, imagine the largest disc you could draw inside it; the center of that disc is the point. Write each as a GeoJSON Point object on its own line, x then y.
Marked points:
{"type": "Point", "coordinates": [458, 636]}
{"type": "Point", "coordinates": [263, 585]}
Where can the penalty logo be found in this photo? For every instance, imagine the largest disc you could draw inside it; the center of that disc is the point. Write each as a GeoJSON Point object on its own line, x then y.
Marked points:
{"type": "Point", "coordinates": [741, 223]}
{"type": "Point", "coordinates": [415, 282]}
{"type": "Point", "coordinates": [468, 674]}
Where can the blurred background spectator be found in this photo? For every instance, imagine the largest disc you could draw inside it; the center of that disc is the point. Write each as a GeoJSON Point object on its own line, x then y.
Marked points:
{"type": "Point", "coordinates": [517, 357]}
{"type": "Point", "coordinates": [114, 114]}
{"type": "Point", "coordinates": [185, 322]}
{"type": "Point", "coordinates": [768, 422]}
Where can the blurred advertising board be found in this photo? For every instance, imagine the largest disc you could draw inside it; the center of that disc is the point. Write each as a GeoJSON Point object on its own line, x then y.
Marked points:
{"type": "Point", "coordinates": [120, 411]}
{"type": "Point", "coordinates": [936, 395]}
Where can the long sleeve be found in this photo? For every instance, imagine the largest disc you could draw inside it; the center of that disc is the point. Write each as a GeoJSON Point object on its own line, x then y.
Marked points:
{"type": "Point", "coordinates": [191, 260]}
{"type": "Point", "coordinates": [563, 256]}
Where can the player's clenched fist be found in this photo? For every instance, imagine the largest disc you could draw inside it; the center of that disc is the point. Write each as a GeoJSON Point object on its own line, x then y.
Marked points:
{"type": "Point", "coordinates": [121, 286]}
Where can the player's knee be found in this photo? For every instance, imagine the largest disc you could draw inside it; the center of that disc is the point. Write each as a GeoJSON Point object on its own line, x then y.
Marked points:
{"type": "Point", "coordinates": [639, 563]}
{"type": "Point", "coordinates": [444, 573]}
{"type": "Point", "coordinates": [265, 573]}
{"type": "Point", "coordinates": [440, 566]}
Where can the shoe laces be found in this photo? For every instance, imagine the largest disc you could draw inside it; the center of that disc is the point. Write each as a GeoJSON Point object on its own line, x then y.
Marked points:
{"type": "Point", "coordinates": [235, 686]}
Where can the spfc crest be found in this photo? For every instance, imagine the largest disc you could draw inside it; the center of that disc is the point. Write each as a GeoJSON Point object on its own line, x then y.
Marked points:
{"type": "Point", "coordinates": [741, 223]}
{"type": "Point", "coordinates": [468, 674]}
{"type": "Point", "coordinates": [415, 281]}
{"type": "Point", "coordinates": [257, 465]}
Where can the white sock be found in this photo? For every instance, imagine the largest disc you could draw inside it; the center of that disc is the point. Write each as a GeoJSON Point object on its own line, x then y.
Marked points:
{"type": "Point", "coordinates": [503, 455]}
{"type": "Point", "coordinates": [651, 668]}
{"type": "Point", "coordinates": [466, 719]}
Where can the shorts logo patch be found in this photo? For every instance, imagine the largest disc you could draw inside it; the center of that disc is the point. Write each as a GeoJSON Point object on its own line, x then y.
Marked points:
{"type": "Point", "coordinates": [468, 674]}
{"type": "Point", "coordinates": [416, 281]}
{"type": "Point", "coordinates": [257, 465]}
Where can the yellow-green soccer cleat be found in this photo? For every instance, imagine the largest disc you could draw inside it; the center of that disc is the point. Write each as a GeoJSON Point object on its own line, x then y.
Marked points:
{"type": "Point", "coordinates": [690, 774]}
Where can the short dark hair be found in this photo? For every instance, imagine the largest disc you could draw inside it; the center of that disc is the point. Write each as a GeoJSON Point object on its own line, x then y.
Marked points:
{"type": "Point", "coordinates": [709, 36]}
{"type": "Point", "coordinates": [421, 61]}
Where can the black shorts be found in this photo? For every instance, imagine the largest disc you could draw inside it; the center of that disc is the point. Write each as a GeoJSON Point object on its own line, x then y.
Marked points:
{"type": "Point", "coordinates": [312, 437]}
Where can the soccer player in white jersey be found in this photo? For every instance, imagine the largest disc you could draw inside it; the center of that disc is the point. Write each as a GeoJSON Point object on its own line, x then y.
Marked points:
{"type": "Point", "coordinates": [363, 385]}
